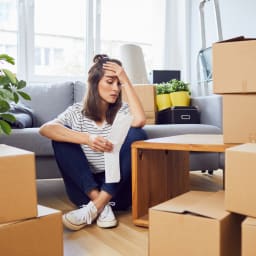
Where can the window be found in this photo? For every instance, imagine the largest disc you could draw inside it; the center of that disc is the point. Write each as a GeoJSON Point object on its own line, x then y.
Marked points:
{"type": "Point", "coordinates": [8, 29]}
{"type": "Point", "coordinates": [127, 22]}
{"type": "Point", "coordinates": [59, 37]}
{"type": "Point", "coordinates": [56, 39]}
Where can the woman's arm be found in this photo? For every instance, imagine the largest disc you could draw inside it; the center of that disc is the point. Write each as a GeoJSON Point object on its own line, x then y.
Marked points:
{"type": "Point", "coordinates": [139, 117]}
{"type": "Point", "coordinates": [58, 132]}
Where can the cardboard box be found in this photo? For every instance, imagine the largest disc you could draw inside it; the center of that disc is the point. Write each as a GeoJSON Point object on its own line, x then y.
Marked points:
{"type": "Point", "coordinates": [147, 95]}
{"type": "Point", "coordinates": [239, 120]}
{"type": "Point", "coordinates": [38, 236]}
{"type": "Point", "coordinates": [234, 64]}
{"type": "Point", "coordinates": [194, 224]}
{"type": "Point", "coordinates": [240, 176]}
{"type": "Point", "coordinates": [249, 237]}
{"type": "Point", "coordinates": [18, 195]}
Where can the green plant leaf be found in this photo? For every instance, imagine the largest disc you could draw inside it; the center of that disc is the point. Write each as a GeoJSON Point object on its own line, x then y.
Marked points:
{"type": "Point", "coordinates": [21, 84]}
{"type": "Point", "coordinates": [11, 76]}
{"type": "Point", "coordinates": [5, 127]}
{"type": "Point", "coordinates": [8, 117]}
{"type": "Point", "coordinates": [7, 58]}
{"type": "Point", "coordinates": [4, 80]}
{"type": "Point", "coordinates": [24, 95]}
{"type": "Point", "coordinates": [5, 95]}
{"type": "Point", "coordinates": [4, 106]}
{"type": "Point", "coordinates": [16, 97]}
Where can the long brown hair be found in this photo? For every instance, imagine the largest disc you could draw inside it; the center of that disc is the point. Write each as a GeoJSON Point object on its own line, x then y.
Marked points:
{"type": "Point", "coordinates": [92, 104]}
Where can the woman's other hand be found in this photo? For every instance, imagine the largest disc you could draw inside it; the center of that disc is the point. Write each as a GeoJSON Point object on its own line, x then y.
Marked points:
{"type": "Point", "coordinates": [99, 144]}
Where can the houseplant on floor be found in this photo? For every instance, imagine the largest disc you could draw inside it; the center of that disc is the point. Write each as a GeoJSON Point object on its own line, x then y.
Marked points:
{"type": "Point", "coordinates": [163, 99]}
{"type": "Point", "coordinates": [10, 92]}
{"type": "Point", "coordinates": [179, 93]}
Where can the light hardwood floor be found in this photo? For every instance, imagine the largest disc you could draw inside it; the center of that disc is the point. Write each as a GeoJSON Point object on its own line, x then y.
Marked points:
{"type": "Point", "coordinates": [126, 239]}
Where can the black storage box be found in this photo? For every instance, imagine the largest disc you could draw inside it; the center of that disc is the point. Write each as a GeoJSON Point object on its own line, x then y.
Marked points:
{"type": "Point", "coordinates": [185, 115]}
{"type": "Point", "coordinates": [164, 116]}
{"type": "Point", "coordinates": [179, 115]}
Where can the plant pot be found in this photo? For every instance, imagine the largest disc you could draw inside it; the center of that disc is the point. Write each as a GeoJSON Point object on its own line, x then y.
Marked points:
{"type": "Point", "coordinates": [163, 101]}
{"type": "Point", "coordinates": [180, 98]}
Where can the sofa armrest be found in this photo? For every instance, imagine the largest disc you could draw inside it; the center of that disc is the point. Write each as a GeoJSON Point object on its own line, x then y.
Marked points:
{"type": "Point", "coordinates": [210, 108]}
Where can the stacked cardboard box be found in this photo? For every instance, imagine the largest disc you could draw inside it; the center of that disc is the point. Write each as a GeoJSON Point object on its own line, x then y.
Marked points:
{"type": "Point", "coordinates": [26, 229]}
{"type": "Point", "coordinates": [221, 223]}
{"type": "Point", "coordinates": [234, 77]}
{"type": "Point", "coordinates": [194, 223]}
{"type": "Point", "coordinates": [147, 95]}
{"type": "Point", "coordinates": [240, 190]}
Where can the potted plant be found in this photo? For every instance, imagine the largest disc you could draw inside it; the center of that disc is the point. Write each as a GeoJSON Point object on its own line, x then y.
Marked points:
{"type": "Point", "coordinates": [10, 91]}
{"type": "Point", "coordinates": [179, 93]}
{"type": "Point", "coordinates": [163, 99]}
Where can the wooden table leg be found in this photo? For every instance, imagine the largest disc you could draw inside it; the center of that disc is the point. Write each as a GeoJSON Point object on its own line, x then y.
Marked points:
{"type": "Point", "coordinates": [157, 175]}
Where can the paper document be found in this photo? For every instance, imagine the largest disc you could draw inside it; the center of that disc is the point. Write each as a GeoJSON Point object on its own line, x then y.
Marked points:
{"type": "Point", "coordinates": [118, 133]}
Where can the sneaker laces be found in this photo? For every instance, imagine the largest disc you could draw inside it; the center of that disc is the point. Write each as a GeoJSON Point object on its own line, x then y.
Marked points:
{"type": "Point", "coordinates": [84, 214]}
{"type": "Point", "coordinates": [106, 210]}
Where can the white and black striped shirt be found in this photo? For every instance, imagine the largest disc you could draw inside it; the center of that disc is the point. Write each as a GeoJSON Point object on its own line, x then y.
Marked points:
{"type": "Point", "coordinates": [74, 118]}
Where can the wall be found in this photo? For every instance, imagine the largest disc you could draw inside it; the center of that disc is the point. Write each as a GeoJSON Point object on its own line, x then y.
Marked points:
{"type": "Point", "coordinates": [238, 18]}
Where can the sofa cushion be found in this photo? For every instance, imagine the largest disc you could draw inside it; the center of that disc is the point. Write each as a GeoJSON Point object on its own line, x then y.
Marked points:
{"type": "Point", "coordinates": [49, 100]}
{"type": "Point", "coordinates": [28, 139]}
{"type": "Point", "coordinates": [165, 130]}
{"type": "Point", "coordinates": [79, 91]}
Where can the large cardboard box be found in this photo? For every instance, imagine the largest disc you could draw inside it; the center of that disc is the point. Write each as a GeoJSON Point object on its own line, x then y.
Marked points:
{"type": "Point", "coordinates": [249, 237]}
{"type": "Point", "coordinates": [194, 224]}
{"type": "Point", "coordinates": [40, 236]}
{"type": "Point", "coordinates": [147, 95]}
{"type": "Point", "coordinates": [234, 64]}
{"type": "Point", "coordinates": [240, 176]}
{"type": "Point", "coordinates": [18, 196]}
{"type": "Point", "coordinates": [239, 120]}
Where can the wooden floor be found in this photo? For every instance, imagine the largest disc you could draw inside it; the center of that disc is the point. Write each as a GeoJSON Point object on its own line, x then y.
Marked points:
{"type": "Point", "coordinates": [126, 239]}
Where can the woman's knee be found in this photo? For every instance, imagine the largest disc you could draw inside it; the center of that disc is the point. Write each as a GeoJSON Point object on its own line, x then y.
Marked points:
{"type": "Point", "coordinates": [136, 134]}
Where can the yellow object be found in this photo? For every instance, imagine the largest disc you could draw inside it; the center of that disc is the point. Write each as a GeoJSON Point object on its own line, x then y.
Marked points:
{"type": "Point", "coordinates": [163, 101]}
{"type": "Point", "coordinates": [180, 98]}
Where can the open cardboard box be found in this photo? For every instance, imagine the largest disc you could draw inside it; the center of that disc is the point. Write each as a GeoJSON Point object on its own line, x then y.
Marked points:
{"type": "Point", "coordinates": [240, 176]}
{"type": "Point", "coordinates": [239, 120]}
{"type": "Point", "coordinates": [147, 96]}
{"type": "Point", "coordinates": [40, 236]}
{"type": "Point", "coordinates": [234, 62]}
{"type": "Point", "coordinates": [18, 196]}
{"type": "Point", "coordinates": [195, 224]}
{"type": "Point", "coordinates": [249, 237]}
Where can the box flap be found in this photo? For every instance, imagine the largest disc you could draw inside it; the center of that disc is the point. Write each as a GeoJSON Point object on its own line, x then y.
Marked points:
{"type": "Point", "coordinates": [44, 211]}
{"type": "Point", "coordinates": [247, 147]}
{"type": "Point", "coordinates": [6, 151]}
{"type": "Point", "coordinates": [250, 221]}
{"type": "Point", "coordinates": [236, 39]}
{"type": "Point", "coordinates": [207, 204]}
{"type": "Point", "coordinates": [181, 203]}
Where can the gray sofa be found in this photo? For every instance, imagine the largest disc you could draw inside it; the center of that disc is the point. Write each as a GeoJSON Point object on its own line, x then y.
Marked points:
{"type": "Point", "coordinates": [48, 100]}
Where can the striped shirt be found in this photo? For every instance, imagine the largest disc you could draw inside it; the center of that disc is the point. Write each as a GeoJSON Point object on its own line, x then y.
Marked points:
{"type": "Point", "coordinates": [74, 118]}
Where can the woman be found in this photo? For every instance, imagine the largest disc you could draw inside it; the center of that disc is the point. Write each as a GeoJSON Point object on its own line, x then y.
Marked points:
{"type": "Point", "coordinates": [80, 137]}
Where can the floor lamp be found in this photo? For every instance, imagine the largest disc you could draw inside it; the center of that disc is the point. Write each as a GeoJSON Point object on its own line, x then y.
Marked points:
{"type": "Point", "coordinates": [132, 59]}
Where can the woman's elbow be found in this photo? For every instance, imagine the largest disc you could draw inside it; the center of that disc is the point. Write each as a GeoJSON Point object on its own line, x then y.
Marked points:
{"type": "Point", "coordinates": [139, 122]}
{"type": "Point", "coordinates": [44, 129]}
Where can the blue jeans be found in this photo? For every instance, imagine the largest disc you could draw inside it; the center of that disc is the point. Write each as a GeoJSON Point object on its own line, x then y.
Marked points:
{"type": "Point", "coordinates": [79, 179]}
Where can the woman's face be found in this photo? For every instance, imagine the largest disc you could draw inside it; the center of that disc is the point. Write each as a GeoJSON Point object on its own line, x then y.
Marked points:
{"type": "Point", "coordinates": [109, 87]}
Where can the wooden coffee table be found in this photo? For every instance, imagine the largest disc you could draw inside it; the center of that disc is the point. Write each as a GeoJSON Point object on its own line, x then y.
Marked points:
{"type": "Point", "coordinates": [160, 169]}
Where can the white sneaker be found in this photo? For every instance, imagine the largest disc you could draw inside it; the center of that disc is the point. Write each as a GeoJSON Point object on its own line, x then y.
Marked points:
{"type": "Point", "coordinates": [78, 219]}
{"type": "Point", "coordinates": [107, 218]}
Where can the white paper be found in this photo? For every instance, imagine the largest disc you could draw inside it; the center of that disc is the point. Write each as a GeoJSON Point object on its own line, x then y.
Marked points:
{"type": "Point", "coordinates": [120, 128]}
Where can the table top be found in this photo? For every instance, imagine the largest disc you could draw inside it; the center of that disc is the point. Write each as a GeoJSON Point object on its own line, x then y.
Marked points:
{"type": "Point", "coordinates": [188, 142]}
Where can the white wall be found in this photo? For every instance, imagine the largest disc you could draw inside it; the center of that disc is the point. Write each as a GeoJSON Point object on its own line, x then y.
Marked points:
{"type": "Point", "coordinates": [238, 18]}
